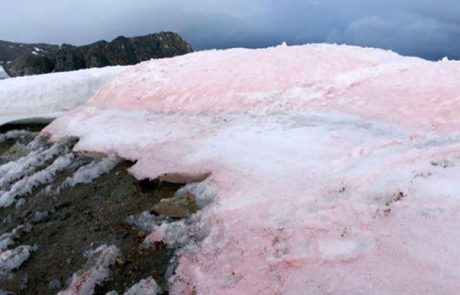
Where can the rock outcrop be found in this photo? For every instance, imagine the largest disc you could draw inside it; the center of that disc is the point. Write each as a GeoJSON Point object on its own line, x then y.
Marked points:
{"type": "Point", "coordinates": [121, 51]}
{"type": "Point", "coordinates": [20, 59]}
{"type": "Point", "coordinates": [29, 65]}
{"type": "Point", "coordinates": [9, 51]}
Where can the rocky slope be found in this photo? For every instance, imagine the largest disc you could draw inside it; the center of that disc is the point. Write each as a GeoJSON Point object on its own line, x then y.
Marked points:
{"type": "Point", "coordinates": [9, 51]}
{"type": "Point", "coordinates": [32, 59]}
{"type": "Point", "coordinates": [86, 205]}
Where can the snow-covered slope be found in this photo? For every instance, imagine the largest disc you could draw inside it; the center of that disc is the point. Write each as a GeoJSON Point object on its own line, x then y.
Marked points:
{"type": "Point", "coordinates": [48, 96]}
{"type": "Point", "coordinates": [333, 169]}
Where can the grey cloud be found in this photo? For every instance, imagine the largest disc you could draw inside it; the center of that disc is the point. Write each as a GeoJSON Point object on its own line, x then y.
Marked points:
{"type": "Point", "coordinates": [428, 28]}
{"type": "Point", "coordinates": [407, 34]}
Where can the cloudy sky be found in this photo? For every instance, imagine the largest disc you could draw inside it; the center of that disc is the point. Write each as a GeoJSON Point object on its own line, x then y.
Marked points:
{"type": "Point", "coordinates": [427, 28]}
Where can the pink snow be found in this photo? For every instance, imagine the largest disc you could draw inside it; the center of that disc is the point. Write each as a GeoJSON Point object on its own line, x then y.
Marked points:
{"type": "Point", "coordinates": [333, 168]}
{"type": "Point", "coordinates": [294, 78]}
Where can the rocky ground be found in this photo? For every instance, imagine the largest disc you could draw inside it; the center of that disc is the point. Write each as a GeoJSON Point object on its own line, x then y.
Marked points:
{"type": "Point", "coordinates": [86, 204]}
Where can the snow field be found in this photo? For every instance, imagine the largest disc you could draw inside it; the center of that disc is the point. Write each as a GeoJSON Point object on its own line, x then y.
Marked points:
{"type": "Point", "coordinates": [331, 168]}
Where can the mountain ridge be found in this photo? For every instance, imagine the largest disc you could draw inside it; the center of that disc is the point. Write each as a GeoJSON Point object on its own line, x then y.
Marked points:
{"type": "Point", "coordinates": [21, 59]}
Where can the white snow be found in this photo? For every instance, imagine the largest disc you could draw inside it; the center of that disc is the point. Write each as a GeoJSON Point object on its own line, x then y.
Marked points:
{"type": "Point", "coordinates": [7, 239]}
{"type": "Point", "coordinates": [50, 95]}
{"type": "Point", "coordinates": [14, 170]}
{"type": "Point", "coordinates": [177, 234]}
{"type": "Point", "coordinates": [147, 286]}
{"type": "Point", "coordinates": [91, 171]}
{"type": "Point", "coordinates": [12, 259]}
{"type": "Point", "coordinates": [19, 177]}
{"type": "Point", "coordinates": [144, 221]}
{"type": "Point", "coordinates": [318, 160]}
{"type": "Point", "coordinates": [26, 184]}
{"type": "Point", "coordinates": [203, 191]}
{"type": "Point", "coordinates": [15, 134]}
{"type": "Point", "coordinates": [84, 281]}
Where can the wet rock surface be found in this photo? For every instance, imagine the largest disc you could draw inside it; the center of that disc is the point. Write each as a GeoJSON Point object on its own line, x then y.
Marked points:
{"type": "Point", "coordinates": [74, 212]}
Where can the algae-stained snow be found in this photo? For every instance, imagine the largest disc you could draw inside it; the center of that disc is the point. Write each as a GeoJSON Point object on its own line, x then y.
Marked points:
{"type": "Point", "coordinates": [51, 95]}
{"type": "Point", "coordinates": [333, 169]}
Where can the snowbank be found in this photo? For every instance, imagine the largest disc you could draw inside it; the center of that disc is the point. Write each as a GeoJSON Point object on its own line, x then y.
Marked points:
{"type": "Point", "coordinates": [48, 96]}
{"type": "Point", "coordinates": [333, 169]}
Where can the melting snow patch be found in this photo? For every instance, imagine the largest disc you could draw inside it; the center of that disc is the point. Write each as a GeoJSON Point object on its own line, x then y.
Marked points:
{"type": "Point", "coordinates": [84, 281]}
{"type": "Point", "coordinates": [12, 259]}
{"type": "Point", "coordinates": [28, 164]}
{"type": "Point", "coordinates": [182, 234]}
{"type": "Point", "coordinates": [38, 167]}
{"type": "Point", "coordinates": [26, 184]}
{"type": "Point", "coordinates": [15, 134]}
{"type": "Point", "coordinates": [145, 287]}
{"type": "Point", "coordinates": [7, 239]}
{"type": "Point", "coordinates": [93, 170]}
{"type": "Point", "coordinates": [204, 192]}
{"type": "Point", "coordinates": [145, 221]}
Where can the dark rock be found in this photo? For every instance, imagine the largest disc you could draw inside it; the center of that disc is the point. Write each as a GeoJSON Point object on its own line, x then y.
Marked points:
{"type": "Point", "coordinates": [121, 51]}
{"type": "Point", "coordinates": [29, 65]}
{"type": "Point", "coordinates": [95, 55]}
{"type": "Point", "coordinates": [68, 59]}
{"type": "Point", "coordinates": [177, 207]}
{"type": "Point", "coordinates": [67, 46]}
{"type": "Point", "coordinates": [10, 51]}
{"type": "Point", "coordinates": [31, 59]}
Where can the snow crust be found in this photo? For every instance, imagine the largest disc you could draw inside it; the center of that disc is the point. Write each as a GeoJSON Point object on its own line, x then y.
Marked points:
{"type": "Point", "coordinates": [332, 169]}
{"type": "Point", "coordinates": [50, 95]}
